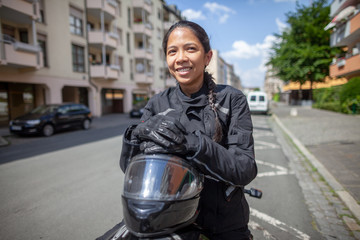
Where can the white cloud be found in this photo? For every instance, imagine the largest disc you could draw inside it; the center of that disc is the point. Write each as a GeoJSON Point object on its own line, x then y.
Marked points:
{"type": "Point", "coordinates": [222, 12]}
{"type": "Point", "coordinates": [215, 8]}
{"type": "Point", "coordinates": [281, 25]}
{"type": "Point", "coordinates": [259, 52]}
{"type": "Point", "coordinates": [191, 15]}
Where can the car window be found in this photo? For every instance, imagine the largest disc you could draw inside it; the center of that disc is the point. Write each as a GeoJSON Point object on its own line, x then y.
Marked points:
{"type": "Point", "coordinates": [74, 108]}
{"type": "Point", "coordinates": [64, 109]}
{"type": "Point", "coordinates": [262, 98]}
{"type": "Point", "coordinates": [253, 98]}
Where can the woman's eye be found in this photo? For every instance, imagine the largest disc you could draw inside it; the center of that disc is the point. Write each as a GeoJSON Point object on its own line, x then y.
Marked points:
{"type": "Point", "coordinates": [171, 52]}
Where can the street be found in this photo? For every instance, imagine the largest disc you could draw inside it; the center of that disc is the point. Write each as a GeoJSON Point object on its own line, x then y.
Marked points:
{"type": "Point", "coordinates": [69, 186]}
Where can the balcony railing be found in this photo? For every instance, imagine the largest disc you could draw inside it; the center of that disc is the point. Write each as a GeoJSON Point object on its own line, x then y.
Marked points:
{"type": "Point", "coordinates": [345, 66]}
{"type": "Point", "coordinates": [145, 4]}
{"type": "Point", "coordinates": [146, 53]}
{"type": "Point", "coordinates": [144, 78]}
{"type": "Point", "coordinates": [105, 71]}
{"type": "Point", "coordinates": [20, 10]}
{"type": "Point", "coordinates": [20, 54]}
{"type": "Point", "coordinates": [345, 33]}
{"type": "Point", "coordinates": [97, 37]}
{"type": "Point", "coordinates": [146, 28]}
{"type": "Point", "coordinates": [109, 6]}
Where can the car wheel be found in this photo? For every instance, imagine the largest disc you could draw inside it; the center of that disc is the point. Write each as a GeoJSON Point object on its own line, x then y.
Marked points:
{"type": "Point", "coordinates": [86, 124]}
{"type": "Point", "coordinates": [48, 130]}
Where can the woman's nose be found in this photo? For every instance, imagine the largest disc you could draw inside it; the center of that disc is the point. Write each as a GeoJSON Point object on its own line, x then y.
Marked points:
{"type": "Point", "coordinates": [182, 57]}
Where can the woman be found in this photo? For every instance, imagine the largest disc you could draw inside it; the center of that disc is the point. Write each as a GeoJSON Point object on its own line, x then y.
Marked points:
{"type": "Point", "coordinates": [217, 137]}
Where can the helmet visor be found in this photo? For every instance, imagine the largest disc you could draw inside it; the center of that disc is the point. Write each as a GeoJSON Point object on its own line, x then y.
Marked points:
{"type": "Point", "coordinates": [161, 177]}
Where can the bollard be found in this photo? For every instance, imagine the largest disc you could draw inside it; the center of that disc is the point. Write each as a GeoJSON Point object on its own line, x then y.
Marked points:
{"type": "Point", "coordinates": [293, 112]}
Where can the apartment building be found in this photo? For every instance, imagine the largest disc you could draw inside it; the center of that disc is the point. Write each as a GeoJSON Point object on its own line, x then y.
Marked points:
{"type": "Point", "coordinates": [345, 15]}
{"type": "Point", "coordinates": [222, 71]}
{"type": "Point", "coordinates": [272, 84]}
{"type": "Point", "coordinates": [106, 54]}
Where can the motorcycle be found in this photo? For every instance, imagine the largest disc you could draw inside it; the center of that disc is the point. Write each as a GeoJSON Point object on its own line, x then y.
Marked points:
{"type": "Point", "coordinates": [160, 200]}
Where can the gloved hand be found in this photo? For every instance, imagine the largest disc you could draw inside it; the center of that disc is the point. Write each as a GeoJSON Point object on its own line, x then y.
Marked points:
{"type": "Point", "coordinates": [167, 134]}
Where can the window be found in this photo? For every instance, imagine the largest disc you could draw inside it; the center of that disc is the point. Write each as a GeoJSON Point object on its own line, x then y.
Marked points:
{"type": "Point", "coordinates": [131, 70]}
{"type": "Point", "coordinates": [9, 33]}
{"type": "Point", "coordinates": [129, 17]}
{"type": "Point", "coordinates": [76, 22]}
{"type": "Point", "coordinates": [253, 98]}
{"type": "Point", "coordinates": [24, 36]}
{"type": "Point", "coordinates": [262, 98]}
{"type": "Point", "coordinates": [78, 58]}
{"type": "Point", "coordinates": [42, 44]}
{"type": "Point", "coordinates": [128, 42]}
{"type": "Point", "coordinates": [120, 33]}
{"type": "Point", "coordinates": [42, 13]}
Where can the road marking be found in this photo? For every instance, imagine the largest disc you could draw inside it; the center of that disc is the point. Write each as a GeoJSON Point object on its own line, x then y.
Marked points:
{"type": "Point", "coordinates": [256, 226]}
{"type": "Point", "coordinates": [280, 170]}
{"type": "Point", "coordinates": [261, 145]}
{"type": "Point", "coordinates": [278, 224]}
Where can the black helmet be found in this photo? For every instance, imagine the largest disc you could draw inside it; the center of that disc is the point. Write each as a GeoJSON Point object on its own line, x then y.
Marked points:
{"type": "Point", "coordinates": [161, 194]}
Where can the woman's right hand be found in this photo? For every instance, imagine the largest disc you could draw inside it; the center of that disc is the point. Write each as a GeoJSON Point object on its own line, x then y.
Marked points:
{"type": "Point", "coordinates": [164, 134]}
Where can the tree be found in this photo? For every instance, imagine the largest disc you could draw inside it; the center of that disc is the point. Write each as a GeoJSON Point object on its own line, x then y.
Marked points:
{"type": "Point", "coordinates": [303, 52]}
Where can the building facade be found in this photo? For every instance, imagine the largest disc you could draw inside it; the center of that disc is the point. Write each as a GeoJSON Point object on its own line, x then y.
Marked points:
{"type": "Point", "coordinates": [272, 84]}
{"type": "Point", "coordinates": [345, 26]}
{"type": "Point", "coordinates": [222, 71]}
{"type": "Point", "coordinates": [106, 54]}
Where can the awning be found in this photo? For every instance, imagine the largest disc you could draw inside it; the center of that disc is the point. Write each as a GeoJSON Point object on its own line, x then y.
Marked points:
{"type": "Point", "coordinates": [342, 15]}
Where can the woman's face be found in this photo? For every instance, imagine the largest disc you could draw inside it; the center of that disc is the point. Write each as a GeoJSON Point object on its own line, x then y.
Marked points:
{"type": "Point", "coordinates": [186, 59]}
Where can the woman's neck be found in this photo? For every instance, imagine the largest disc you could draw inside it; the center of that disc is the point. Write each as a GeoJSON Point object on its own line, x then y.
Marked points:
{"type": "Point", "coordinates": [191, 89]}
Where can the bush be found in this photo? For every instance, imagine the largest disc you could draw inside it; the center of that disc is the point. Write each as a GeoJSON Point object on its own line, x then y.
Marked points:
{"type": "Point", "coordinates": [345, 98]}
{"type": "Point", "coordinates": [350, 96]}
{"type": "Point", "coordinates": [350, 90]}
{"type": "Point", "coordinates": [351, 106]}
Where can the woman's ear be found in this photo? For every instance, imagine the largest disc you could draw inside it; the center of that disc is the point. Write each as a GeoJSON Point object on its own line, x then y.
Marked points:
{"type": "Point", "coordinates": [208, 57]}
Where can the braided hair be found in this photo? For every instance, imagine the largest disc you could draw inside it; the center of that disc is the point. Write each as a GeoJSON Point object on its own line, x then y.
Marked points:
{"type": "Point", "coordinates": [200, 33]}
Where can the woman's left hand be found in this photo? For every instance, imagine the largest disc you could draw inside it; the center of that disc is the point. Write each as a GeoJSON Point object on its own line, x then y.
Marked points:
{"type": "Point", "coordinates": [166, 132]}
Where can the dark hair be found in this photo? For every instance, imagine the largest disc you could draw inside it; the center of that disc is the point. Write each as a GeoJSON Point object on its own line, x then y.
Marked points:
{"type": "Point", "coordinates": [201, 34]}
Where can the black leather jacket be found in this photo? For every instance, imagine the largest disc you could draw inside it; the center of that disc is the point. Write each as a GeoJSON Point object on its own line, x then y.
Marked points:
{"type": "Point", "coordinates": [230, 163]}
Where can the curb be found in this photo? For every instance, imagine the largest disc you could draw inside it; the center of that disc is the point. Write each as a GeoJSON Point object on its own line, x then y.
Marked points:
{"type": "Point", "coordinates": [349, 201]}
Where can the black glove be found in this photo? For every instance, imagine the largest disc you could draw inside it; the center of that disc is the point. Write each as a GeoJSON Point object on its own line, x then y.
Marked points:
{"type": "Point", "coordinates": [167, 134]}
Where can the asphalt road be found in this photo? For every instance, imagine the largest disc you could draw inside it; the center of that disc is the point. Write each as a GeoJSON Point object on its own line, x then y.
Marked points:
{"type": "Point", "coordinates": [69, 186]}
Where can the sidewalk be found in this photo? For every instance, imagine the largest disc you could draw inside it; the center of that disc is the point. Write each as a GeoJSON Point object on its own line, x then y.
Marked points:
{"type": "Point", "coordinates": [331, 142]}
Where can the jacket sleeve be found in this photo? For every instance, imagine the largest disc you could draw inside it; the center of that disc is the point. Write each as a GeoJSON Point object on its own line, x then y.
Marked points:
{"type": "Point", "coordinates": [233, 163]}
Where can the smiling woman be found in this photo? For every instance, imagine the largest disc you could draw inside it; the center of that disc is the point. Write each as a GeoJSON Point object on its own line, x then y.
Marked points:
{"type": "Point", "coordinates": [207, 124]}
{"type": "Point", "coordinates": [187, 59]}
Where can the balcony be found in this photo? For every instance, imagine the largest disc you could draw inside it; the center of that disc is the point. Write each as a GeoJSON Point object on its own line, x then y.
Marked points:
{"type": "Point", "coordinates": [143, 53]}
{"type": "Point", "coordinates": [95, 7]}
{"type": "Point", "coordinates": [111, 72]}
{"type": "Point", "coordinates": [346, 33]}
{"type": "Point", "coordinates": [20, 55]}
{"type": "Point", "coordinates": [19, 11]}
{"type": "Point", "coordinates": [145, 4]}
{"type": "Point", "coordinates": [97, 38]}
{"type": "Point", "coordinates": [345, 67]}
{"type": "Point", "coordinates": [144, 78]}
{"type": "Point", "coordinates": [140, 27]}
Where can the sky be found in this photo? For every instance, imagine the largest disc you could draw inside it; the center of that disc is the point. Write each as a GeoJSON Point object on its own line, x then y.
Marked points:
{"type": "Point", "coordinates": [241, 30]}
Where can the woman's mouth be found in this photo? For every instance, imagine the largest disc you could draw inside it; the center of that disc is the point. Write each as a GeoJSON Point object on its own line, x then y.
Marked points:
{"type": "Point", "coordinates": [183, 70]}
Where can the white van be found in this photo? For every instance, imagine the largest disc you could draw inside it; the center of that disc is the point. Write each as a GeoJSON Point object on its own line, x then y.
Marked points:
{"type": "Point", "coordinates": [258, 102]}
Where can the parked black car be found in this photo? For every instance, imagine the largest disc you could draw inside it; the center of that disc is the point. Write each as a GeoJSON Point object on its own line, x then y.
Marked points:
{"type": "Point", "coordinates": [138, 109]}
{"type": "Point", "coordinates": [47, 119]}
